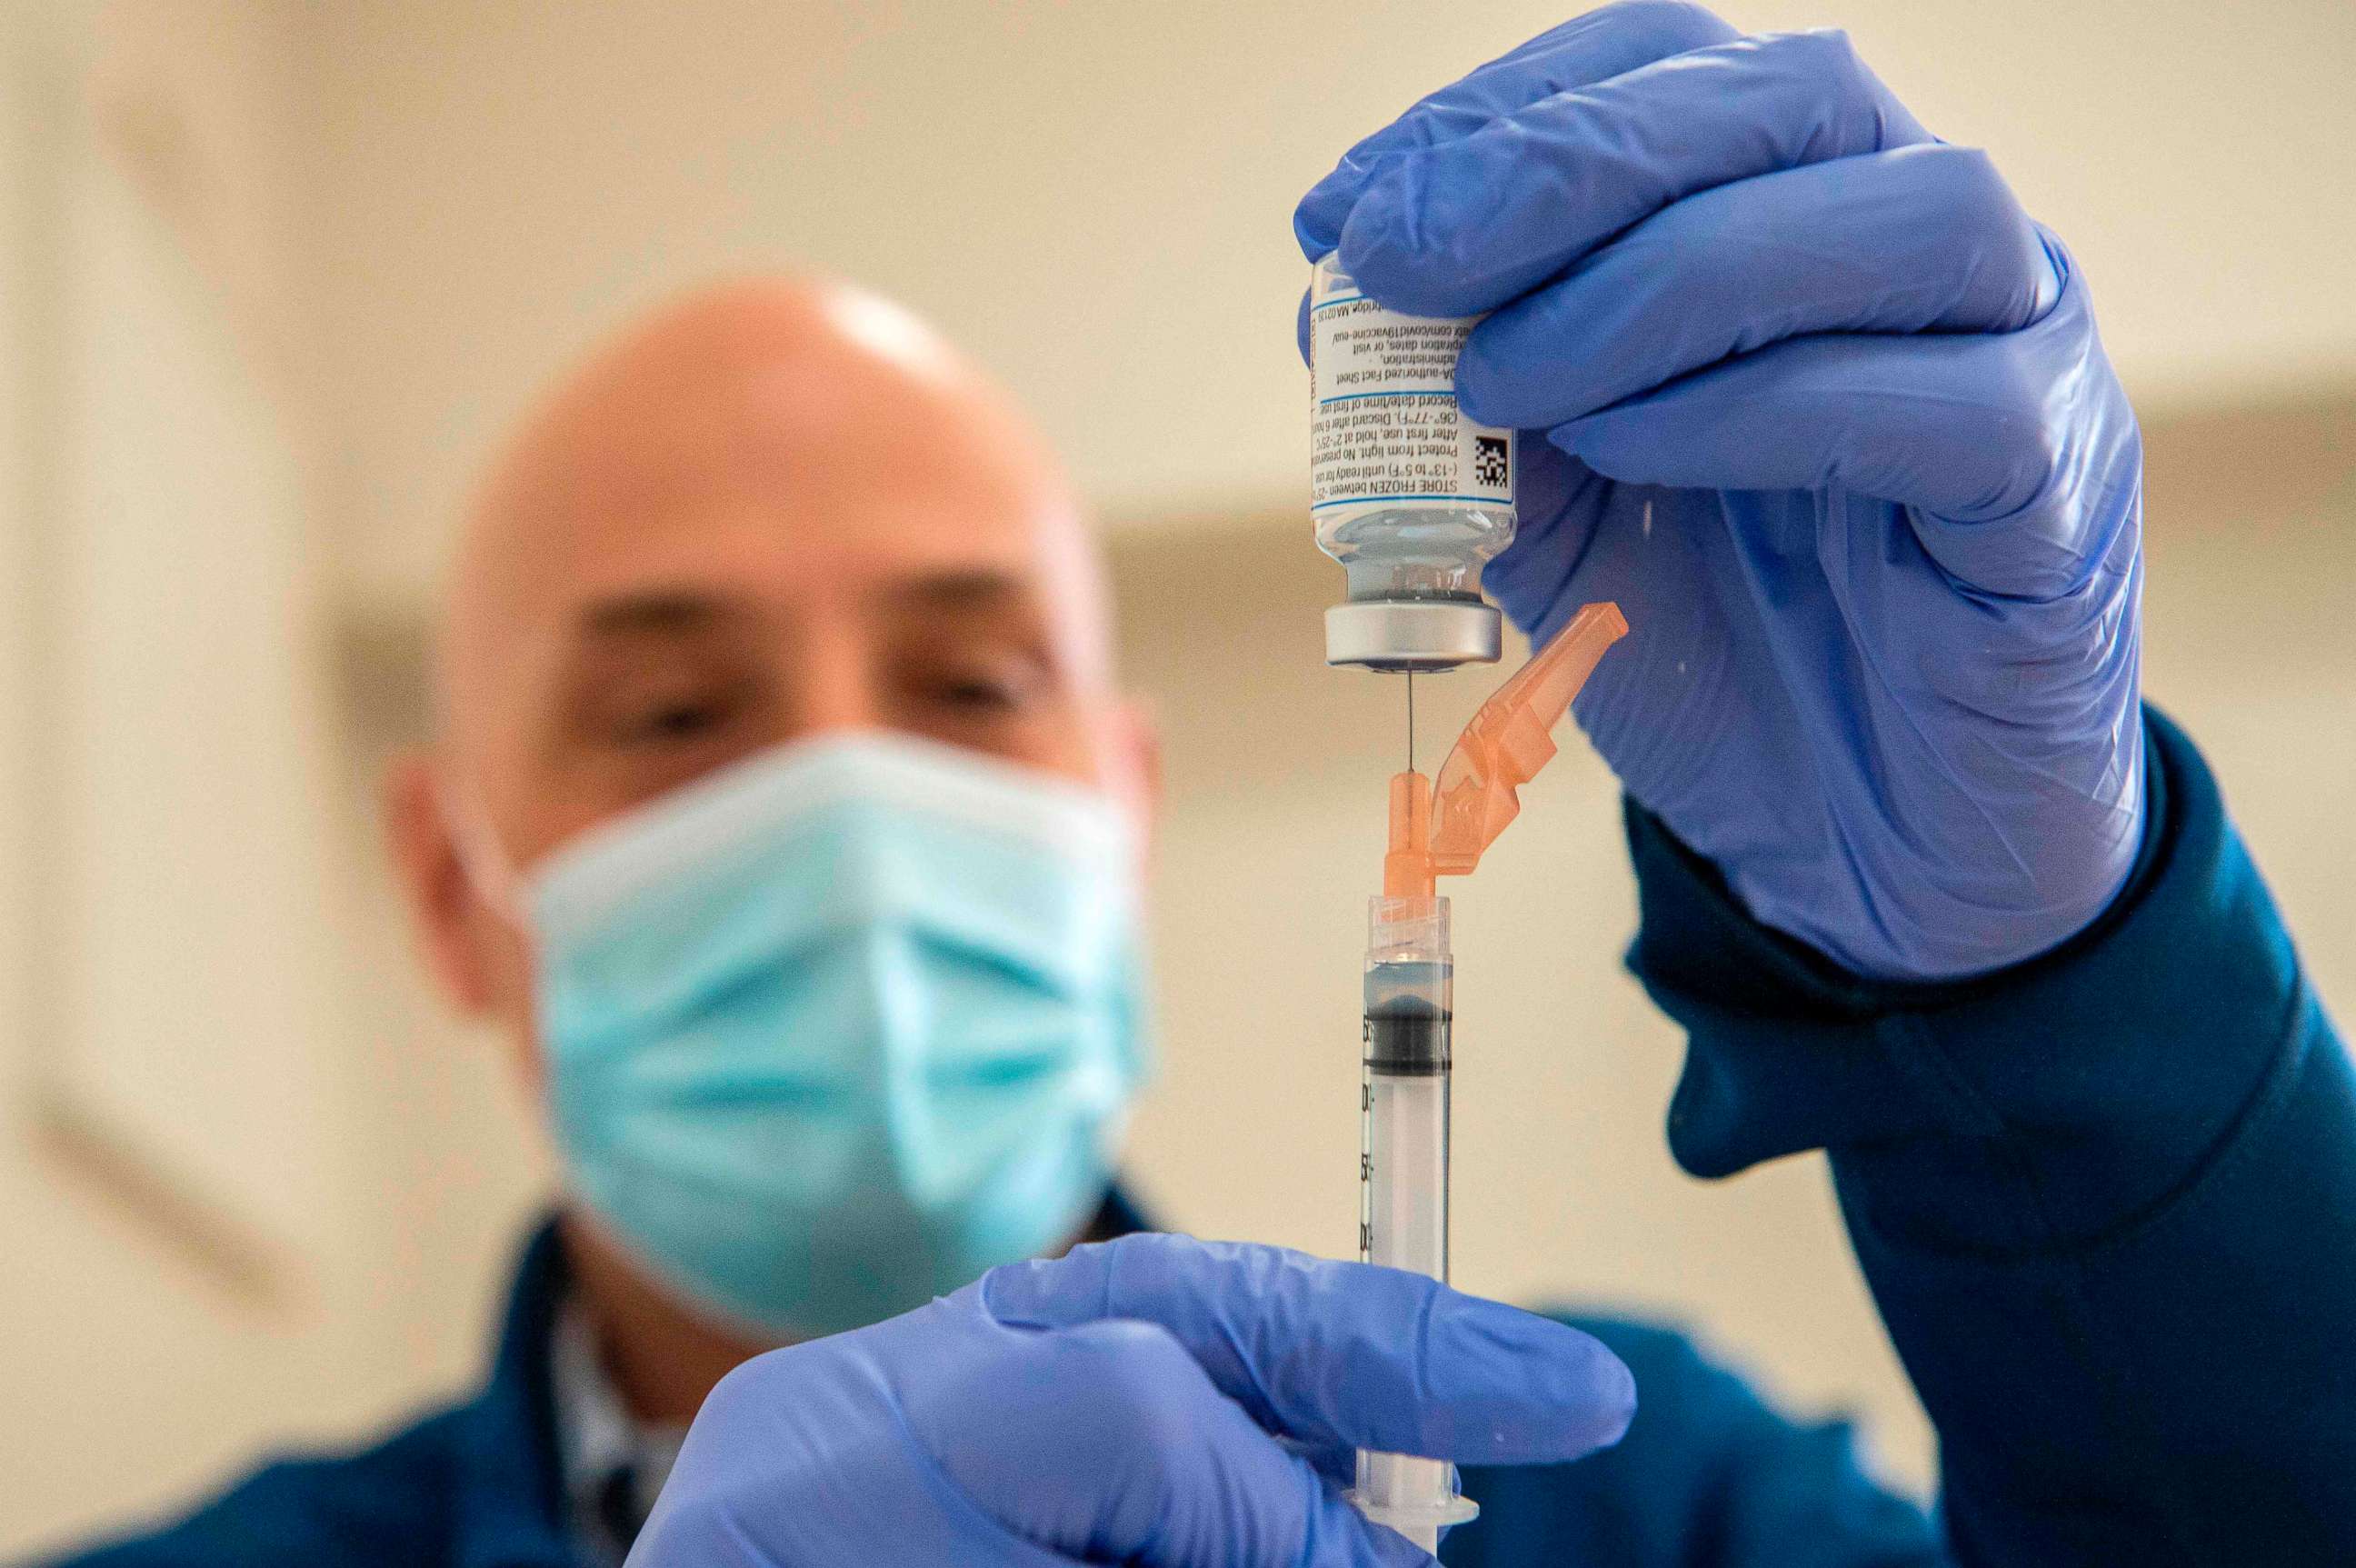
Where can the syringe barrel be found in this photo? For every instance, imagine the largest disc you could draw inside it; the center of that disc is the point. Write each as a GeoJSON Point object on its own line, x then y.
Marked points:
{"type": "Point", "coordinates": [1403, 1151]}
{"type": "Point", "coordinates": [1403, 1166]}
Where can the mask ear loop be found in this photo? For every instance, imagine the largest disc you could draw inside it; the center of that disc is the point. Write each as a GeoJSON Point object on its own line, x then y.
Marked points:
{"type": "Point", "coordinates": [481, 856]}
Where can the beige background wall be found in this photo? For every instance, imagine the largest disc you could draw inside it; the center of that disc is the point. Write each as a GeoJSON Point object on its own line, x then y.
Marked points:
{"type": "Point", "coordinates": [181, 1171]}
{"type": "Point", "coordinates": [254, 1189]}
{"type": "Point", "coordinates": [1096, 198]}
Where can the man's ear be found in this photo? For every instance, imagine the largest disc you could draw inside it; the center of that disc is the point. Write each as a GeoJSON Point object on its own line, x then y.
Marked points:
{"type": "Point", "coordinates": [445, 910]}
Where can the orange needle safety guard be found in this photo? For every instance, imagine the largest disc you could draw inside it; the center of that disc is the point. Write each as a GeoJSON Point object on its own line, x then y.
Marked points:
{"type": "Point", "coordinates": [1440, 830]}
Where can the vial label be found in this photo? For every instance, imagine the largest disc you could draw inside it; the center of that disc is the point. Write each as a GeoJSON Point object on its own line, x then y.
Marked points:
{"type": "Point", "coordinates": [1383, 421]}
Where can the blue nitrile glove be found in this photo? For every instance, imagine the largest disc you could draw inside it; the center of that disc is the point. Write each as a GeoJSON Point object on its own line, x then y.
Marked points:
{"type": "Point", "coordinates": [1147, 1400]}
{"type": "Point", "coordinates": [1827, 415]}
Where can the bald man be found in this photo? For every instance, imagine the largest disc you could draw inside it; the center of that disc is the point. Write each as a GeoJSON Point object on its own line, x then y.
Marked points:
{"type": "Point", "coordinates": [785, 818]}
{"type": "Point", "coordinates": [777, 511]}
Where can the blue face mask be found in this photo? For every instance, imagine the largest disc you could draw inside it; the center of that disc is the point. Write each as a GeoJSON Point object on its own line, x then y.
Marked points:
{"type": "Point", "coordinates": [836, 1029]}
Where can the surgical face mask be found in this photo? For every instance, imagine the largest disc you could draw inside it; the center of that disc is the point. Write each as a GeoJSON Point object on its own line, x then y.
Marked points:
{"type": "Point", "coordinates": [834, 1030]}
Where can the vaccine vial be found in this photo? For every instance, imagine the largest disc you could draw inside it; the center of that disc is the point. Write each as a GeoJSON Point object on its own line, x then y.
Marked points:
{"type": "Point", "coordinates": [1407, 494]}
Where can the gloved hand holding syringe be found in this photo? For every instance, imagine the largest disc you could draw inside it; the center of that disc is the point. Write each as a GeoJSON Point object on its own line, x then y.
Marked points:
{"type": "Point", "coordinates": [1412, 498]}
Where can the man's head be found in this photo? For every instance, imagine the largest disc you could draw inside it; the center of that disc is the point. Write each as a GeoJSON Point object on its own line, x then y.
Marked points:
{"type": "Point", "coordinates": [775, 510]}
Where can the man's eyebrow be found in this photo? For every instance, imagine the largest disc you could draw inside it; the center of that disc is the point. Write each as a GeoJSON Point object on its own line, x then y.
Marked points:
{"type": "Point", "coordinates": [673, 610]}
{"type": "Point", "coordinates": [964, 589]}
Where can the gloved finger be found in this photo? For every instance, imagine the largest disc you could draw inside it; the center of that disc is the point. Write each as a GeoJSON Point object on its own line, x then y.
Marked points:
{"type": "Point", "coordinates": [1921, 238]}
{"type": "Point", "coordinates": [1466, 225]}
{"type": "Point", "coordinates": [1344, 1355]}
{"type": "Point", "coordinates": [1336, 1463]}
{"type": "Point", "coordinates": [1536, 579]}
{"type": "Point", "coordinates": [1106, 1443]}
{"type": "Point", "coordinates": [2009, 495]}
{"type": "Point", "coordinates": [1588, 48]}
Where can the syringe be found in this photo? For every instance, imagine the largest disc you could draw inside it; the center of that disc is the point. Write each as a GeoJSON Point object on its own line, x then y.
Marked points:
{"type": "Point", "coordinates": [1403, 1166]}
{"type": "Point", "coordinates": [1410, 1009]}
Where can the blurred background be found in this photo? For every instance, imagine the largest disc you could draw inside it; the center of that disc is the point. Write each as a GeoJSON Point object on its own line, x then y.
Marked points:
{"type": "Point", "coordinates": [272, 278]}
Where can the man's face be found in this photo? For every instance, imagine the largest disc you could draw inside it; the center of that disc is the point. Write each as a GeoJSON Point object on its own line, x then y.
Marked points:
{"type": "Point", "coordinates": [766, 517]}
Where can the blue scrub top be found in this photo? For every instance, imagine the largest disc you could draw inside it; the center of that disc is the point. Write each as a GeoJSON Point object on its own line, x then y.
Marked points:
{"type": "Point", "coordinates": [2106, 1202]}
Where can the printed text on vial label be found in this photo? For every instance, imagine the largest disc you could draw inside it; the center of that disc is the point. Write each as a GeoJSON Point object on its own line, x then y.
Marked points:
{"type": "Point", "coordinates": [1386, 422]}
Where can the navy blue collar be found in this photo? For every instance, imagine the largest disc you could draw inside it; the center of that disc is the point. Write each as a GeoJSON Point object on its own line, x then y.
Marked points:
{"type": "Point", "coordinates": [1116, 1216]}
{"type": "Point", "coordinates": [510, 1493]}
{"type": "Point", "coordinates": [509, 1510]}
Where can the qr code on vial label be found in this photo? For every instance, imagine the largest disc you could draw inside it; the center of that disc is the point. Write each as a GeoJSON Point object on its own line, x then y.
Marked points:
{"type": "Point", "coordinates": [1490, 469]}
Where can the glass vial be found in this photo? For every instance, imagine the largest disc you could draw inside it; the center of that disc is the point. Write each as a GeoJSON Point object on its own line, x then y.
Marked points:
{"type": "Point", "coordinates": [1407, 494]}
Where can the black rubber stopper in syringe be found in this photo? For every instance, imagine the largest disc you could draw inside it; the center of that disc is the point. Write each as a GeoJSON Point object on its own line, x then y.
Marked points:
{"type": "Point", "coordinates": [1406, 1033]}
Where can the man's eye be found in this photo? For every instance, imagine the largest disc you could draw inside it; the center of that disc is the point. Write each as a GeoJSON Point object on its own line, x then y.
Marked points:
{"type": "Point", "coordinates": [671, 721]}
{"type": "Point", "coordinates": [982, 692]}
{"type": "Point", "coordinates": [983, 687]}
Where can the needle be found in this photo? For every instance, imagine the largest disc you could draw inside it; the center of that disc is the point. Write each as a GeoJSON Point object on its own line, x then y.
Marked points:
{"type": "Point", "coordinates": [1411, 720]}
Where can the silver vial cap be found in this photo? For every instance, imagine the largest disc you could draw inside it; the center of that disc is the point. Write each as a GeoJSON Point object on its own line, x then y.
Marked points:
{"type": "Point", "coordinates": [1413, 634]}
